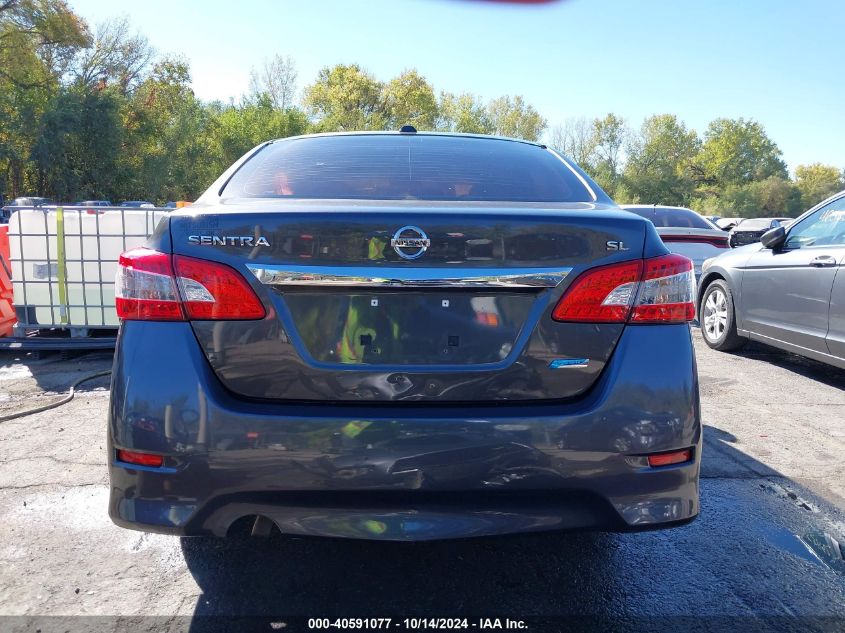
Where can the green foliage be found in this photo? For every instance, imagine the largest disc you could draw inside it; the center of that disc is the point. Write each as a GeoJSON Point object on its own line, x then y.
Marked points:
{"type": "Point", "coordinates": [237, 129]}
{"type": "Point", "coordinates": [464, 113]}
{"type": "Point", "coordinates": [609, 136]}
{"type": "Point", "coordinates": [511, 116]}
{"type": "Point", "coordinates": [771, 197]}
{"type": "Point", "coordinates": [659, 160]}
{"type": "Point", "coordinates": [737, 151]}
{"type": "Point", "coordinates": [38, 39]}
{"type": "Point", "coordinates": [345, 98]}
{"type": "Point", "coordinates": [817, 182]}
{"type": "Point", "coordinates": [735, 170]}
{"type": "Point", "coordinates": [409, 100]}
{"type": "Point", "coordinates": [116, 57]}
{"type": "Point", "coordinates": [739, 172]}
{"type": "Point", "coordinates": [78, 148]}
{"type": "Point", "coordinates": [776, 197]}
{"type": "Point", "coordinates": [153, 115]}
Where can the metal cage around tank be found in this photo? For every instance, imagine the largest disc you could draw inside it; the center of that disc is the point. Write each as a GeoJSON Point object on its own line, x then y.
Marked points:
{"type": "Point", "coordinates": [64, 260]}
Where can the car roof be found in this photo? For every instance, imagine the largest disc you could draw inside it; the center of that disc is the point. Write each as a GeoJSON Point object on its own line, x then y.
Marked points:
{"type": "Point", "coordinates": [489, 137]}
{"type": "Point", "coordinates": [657, 206]}
{"type": "Point", "coordinates": [674, 216]}
{"type": "Point", "coordinates": [759, 221]}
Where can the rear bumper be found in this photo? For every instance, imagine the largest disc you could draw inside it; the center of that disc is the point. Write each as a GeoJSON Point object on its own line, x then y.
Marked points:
{"type": "Point", "coordinates": [402, 472]}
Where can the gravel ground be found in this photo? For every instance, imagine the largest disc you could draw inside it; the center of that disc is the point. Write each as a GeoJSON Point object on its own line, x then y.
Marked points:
{"type": "Point", "coordinates": [773, 491]}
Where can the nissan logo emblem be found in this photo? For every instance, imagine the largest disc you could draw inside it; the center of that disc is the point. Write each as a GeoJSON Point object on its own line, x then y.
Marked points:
{"type": "Point", "coordinates": [410, 242]}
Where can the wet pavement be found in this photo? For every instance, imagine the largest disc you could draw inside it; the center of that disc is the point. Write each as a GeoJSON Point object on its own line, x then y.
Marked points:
{"type": "Point", "coordinates": [767, 552]}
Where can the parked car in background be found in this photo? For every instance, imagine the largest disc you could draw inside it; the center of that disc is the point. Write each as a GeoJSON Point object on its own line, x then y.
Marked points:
{"type": "Point", "coordinates": [751, 230]}
{"type": "Point", "coordinates": [713, 218]}
{"type": "Point", "coordinates": [31, 201]}
{"type": "Point", "coordinates": [787, 291]}
{"type": "Point", "coordinates": [684, 232]}
{"type": "Point", "coordinates": [464, 342]}
{"type": "Point", "coordinates": [94, 203]}
{"type": "Point", "coordinates": [726, 224]}
{"type": "Point", "coordinates": [25, 201]}
{"type": "Point", "coordinates": [137, 204]}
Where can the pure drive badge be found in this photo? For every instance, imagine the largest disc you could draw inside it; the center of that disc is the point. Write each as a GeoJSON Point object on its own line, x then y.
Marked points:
{"type": "Point", "coordinates": [228, 240]}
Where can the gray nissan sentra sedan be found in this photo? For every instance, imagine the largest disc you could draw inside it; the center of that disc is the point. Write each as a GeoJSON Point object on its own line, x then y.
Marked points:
{"type": "Point", "coordinates": [404, 336]}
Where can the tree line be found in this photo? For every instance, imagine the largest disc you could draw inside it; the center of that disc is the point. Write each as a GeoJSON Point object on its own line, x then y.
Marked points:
{"type": "Point", "coordinates": [733, 169]}
{"type": "Point", "coordinates": [96, 113]}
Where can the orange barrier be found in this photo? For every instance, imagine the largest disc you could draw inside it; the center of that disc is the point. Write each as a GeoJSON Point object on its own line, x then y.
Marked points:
{"type": "Point", "coordinates": [7, 308]}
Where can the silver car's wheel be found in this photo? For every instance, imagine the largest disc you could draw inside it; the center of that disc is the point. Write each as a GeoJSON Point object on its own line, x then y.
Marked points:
{"type": "Point", "coordinates": [716, 315]}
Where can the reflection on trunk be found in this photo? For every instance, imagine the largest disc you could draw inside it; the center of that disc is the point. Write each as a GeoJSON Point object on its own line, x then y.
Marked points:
{"type": "Point", "coordinates": [414, 328]}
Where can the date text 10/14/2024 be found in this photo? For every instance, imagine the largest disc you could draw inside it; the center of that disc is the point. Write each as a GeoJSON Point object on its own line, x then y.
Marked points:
{"type": "Point", "coordinates": [415, 624]}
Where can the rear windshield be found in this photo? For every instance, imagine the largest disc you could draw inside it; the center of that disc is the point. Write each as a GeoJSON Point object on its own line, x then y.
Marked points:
{"type": "Point", "coordinates": [388, 167]}
{"type": "Point", "coordinates": [683, 218]}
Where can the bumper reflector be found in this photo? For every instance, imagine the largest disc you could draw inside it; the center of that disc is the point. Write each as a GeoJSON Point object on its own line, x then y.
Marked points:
{"type": "Point", "coordinates": [667, 459]}
{"type": "Point", "coordinates": [140, 459]}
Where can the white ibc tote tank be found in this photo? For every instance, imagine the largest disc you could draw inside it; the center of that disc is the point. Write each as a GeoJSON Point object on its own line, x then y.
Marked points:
{"type": "Point", "coordinates": [93, 240]}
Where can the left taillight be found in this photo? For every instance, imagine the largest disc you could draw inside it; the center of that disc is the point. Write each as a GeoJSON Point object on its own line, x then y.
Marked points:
{"type": "Point", "coordinates": [145, 289]}
{"type": "Point", "coordinates": [140, 459]}
{"type": "Point", "coordinates": [154, 286]}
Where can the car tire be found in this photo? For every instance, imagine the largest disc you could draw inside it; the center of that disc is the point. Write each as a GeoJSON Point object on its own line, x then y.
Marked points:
{"type": "Point", "coordinates": [717, 318]}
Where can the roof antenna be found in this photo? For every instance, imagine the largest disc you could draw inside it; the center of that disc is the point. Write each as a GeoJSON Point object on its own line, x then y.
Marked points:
{"type": "Point", "coordinates": [408, 129]}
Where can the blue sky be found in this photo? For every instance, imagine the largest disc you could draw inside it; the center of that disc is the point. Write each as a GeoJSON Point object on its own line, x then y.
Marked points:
{"type": "Point", "coordinates": [777, 61]}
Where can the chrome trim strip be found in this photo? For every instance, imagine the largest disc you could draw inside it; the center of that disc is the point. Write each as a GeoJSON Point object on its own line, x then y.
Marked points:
{"type": "Point", "coordinates": [401, 277]}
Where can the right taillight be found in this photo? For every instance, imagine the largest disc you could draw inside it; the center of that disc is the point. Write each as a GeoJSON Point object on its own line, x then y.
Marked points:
{"type": "Point", "coordinates": [656, 290]}
{"type": "Point", "coordinates": [667, 291]}
{"type": "Point", "coordinates": [154, 286]}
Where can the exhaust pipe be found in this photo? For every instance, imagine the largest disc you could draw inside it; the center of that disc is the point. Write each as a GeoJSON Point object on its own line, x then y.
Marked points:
{"type": "Point", "coordinates": [262, 526]}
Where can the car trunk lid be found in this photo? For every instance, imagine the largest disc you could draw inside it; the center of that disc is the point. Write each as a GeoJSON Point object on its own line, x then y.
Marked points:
{"type": "Point", "coordinates": [408, 301]}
